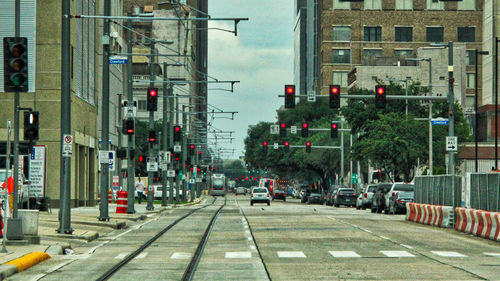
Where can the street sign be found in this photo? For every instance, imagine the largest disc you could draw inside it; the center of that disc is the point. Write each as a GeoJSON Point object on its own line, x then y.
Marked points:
{"type": "Point", "coordinates": [111, 158]}
{"type": "Point", "coordinates": [440, 121]}
{"type": "Point", "coordinates": [311, 96]}
{"type": "Point", "coordinates": [275, 129]}
{"type": "Point", "coordinates": [104, 157]}
{"type": "Point", "coordinates": [129, 111]}
{"type": "Point", "coordinates": [163, 167]}
{"type": "Point", "coordinates": [38, 171]}
{"type": "Point", "coordinates": [276, 145]}
{"type": "Point", "coordinates": [164, 157]}
{"type": "Point", "coordinates": [355, 178]}
{"type": "Point", "coordinates": [67, 150]}
{"type": "Point", "coordinates": [117, 60]}
{"type": "Point", "coordinates": [293, 129]}
{"type": "Point", "coordinates": [177, 148]}
{"type": "Point", "coordinates": [171, 173]}
{"type": "Point", "coordinates": [451, 143]}
{"type": "Point", "coordinates": [152, 167]}
{"type": "Point", "coordinates": [191, 180]}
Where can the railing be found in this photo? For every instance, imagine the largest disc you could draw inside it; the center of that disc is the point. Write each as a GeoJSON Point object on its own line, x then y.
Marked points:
{"type": "Point", "coordinates": [443, 190]}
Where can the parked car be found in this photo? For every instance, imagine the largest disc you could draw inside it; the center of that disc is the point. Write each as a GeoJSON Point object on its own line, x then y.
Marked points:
{"type": "Point", "coordinates": [330, 195]}
{"type": "Point", "coordinates": [279, 194]}
{"type": "Point", "coordinates": [345, 196]}
{"type": "Point", "coordinates": [240, 190]}
{"type": "Point", "coordinates": [248, 190]}
{"type": "Point", "coordinates": [367, 196]}
{"type": "Point", "coordinates": [359, 200]}
{"type": "Point", "coordinates": [314, 198]}
{"type": "Point", "coordinates": [378, 200]}
{"type": "Point", "coordinates": [304, 194]}
{"type": "Point", "coordinates": [260, 195]}
{"type": "Point", "coordinates": [397, 197]}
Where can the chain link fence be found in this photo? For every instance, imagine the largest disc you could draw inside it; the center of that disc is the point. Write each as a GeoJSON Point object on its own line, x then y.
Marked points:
{"type": "Point", "coordinates": [484, 191]}
{"type": "Point", "coordinates": [445, 190]}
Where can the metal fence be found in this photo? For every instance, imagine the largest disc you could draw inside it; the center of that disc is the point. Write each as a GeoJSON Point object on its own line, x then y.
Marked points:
{"type": "Point", "coordinates": [484, 191]}
{"type": "Point", "coordinates": [443, 190]}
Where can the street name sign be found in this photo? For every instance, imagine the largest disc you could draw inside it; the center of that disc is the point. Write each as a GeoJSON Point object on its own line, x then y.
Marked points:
{"type": "Point", "coordinates": [440, 121]}
{"type": "Point", "coordinates": [117, 60]}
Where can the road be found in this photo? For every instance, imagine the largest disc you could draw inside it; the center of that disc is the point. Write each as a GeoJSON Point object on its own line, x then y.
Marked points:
{"type": "Point", "coordinates": [283, 241]}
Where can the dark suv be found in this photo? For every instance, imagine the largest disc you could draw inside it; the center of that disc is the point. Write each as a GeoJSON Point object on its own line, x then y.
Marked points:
{"type": "Point", "coordinates": [345, 196]}
{"type": "Point", "coordinates": [378, 199]}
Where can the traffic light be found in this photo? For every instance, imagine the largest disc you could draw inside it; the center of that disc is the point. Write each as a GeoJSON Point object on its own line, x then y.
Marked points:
{"type": "Point", "coordinates": [121, 153]}
{"type": "Point", "coordinates": [289, 96]}
{"type": "Point", "coordinates": [191, 149]}
{"type": "Point", "coordinates": [177, 133]}
{"type": "Point", "coordinates": [334, 96]}
{"type": "Point", "coordinates": [152, 101]}
{"type": "Point", "coordinates": [31, 125]}
{"type": "Point", "coordinates": [128, 127]}
{"type": "Point", "coordinates": [308, 146]}
{"type": "Point", "coordinates": [177, 156]}
{"type": "Point", "coordinates": [15, 56]}
{"type": "Point", "coordinates": [152, 136]}
{"type": "Point", "coordinates": [305, 130]}
{"type": "Point", "coordinates": [283, 130]}
{"type": "Point", "coordinates": [141, 159]}
{"type": "Point", "coordinates": [264, 145]}
{"type": "Point", "coordinates": [286, 145]}
{"type": "Point", "coordinates": [334, 132]}
{"type": "Point", "coordinates": [199, 154]}
{"type": "Point", "coordinates": [380, 100]}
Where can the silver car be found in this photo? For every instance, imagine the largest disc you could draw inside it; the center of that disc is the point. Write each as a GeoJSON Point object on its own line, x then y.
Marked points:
{"type": "Point", "coordinates": [240, 190]}
{"type": "Point", "coordinates": [367, 194]}
{"type": "Point", "coordinates": [260, 195]}
{"type": "Point", "coordinates": [397, 197]}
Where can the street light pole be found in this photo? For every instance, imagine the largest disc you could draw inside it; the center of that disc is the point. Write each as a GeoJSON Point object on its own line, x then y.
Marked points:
{"type": "Point", "coordinates": [476, 104]}
{"type": "Point", "coordinates": [496, 103]}
{"type": "Point", "coordinates": [451, 111]}
{"type": "Point", "coordinates": [152, 75]}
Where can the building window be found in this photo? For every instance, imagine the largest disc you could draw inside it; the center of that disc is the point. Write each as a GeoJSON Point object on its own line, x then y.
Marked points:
{"type": "Point", "coordinates": [469, 102]}
{"type": "Point", "coordinates": [435, 34]}
{"type": "Point", "coordinates": [373, 4]}
{"type": "Point", "coordinates": [342, 56]}
{"type": "Point", "coordinates": [340, 78]}
{"type": "Point", "coordinates": [339, 5]}
{"type": "Point", "coordinates": [467, 5]}
{"type": "Point", "coordinates": [141, 105]}
{"type": "Point", "coordinates": [402, 54]}
{"type": "Point", "coordinates": [470, 57]}
{"type": "Point", "coordinates": [470, 83]}
{"type": "Point", "coordinates": [373, 33]}
{"type": "Point", "coordinates": [404, 4]}
{"type": "Point", "coordinates": [435, 5]}
{"type": "Point", "coordinates": [466, 34]}
{"type": "Point", "coordinates": [341, 33]}
{"type": "Point", "coordinates": [404, 34]}
{"type": "Point", "coordinates": [370, 55]}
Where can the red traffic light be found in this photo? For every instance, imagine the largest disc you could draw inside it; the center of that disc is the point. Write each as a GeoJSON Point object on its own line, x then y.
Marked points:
{"type": "Point", "coordinates": [153, 93]}
{"type": "Point", "coordinates": [283, 125]}
{"type": "Point", "coordinates": [264, 143]}
{"type": "Point", "coordinates": [141, 158]}
{"type": "Point", "coordinates": [290, 89]}
{"type": "Point", "coordinates": [287, 143]}
{"type": "Point", "coordinates": [308, 143]}
{"type": "Point", "coordinates": [237, 179]}
{"type": "Point", "coordinates": [334, 90]}
{"type": "Point", "coordinates": [305, 125]}
{"type": "Point", "coordinates": [192, 146]}
{"type": "Point", "coordinates": [199, 152]}
{"type": "Point", "coordinates": [380, 90]}
{"type": "Point", "coordinates": [177, 128]}
{"type": "Point", "coordinates": [334, 125]}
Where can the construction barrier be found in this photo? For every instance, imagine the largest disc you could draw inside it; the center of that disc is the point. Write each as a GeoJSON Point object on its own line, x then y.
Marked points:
{"type": "Point", "coordinates": [442, 216]}
{"type": "Point", "coordinates": [478, 222]}
{"type": "Point", "coordinates": [122, 202]}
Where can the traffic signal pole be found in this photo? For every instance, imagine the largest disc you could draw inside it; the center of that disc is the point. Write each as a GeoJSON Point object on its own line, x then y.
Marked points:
{"type": "Point", "coordinates": [451, 104]}
{"type": "Point", "coordinates": [165, 135]}
{"type": "Point", "coordinates": [131, 137]}
{"type": "Point", "coordinates": [184, 155]}
{"type": "Point", "coordinates": [151, 128]}
{"type": "Point", "coordinates": [171, 144]}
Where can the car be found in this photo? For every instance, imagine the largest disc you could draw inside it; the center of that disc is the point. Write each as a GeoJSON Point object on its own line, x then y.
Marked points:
{"type": "Point", "coordinates": [359, 201]}
{"type": "Point", "coordinates": [304, 194]}
{"type": "Point", "coordinates": [279, 194]}
{"type": "Point", "coordinates": [345, 196]}
{"type": "Point", "coordinates": [367, 196]}
{"type": "Point", "coordinates": [240, 190]}
{"type": "Point", "coordinates": [398, 195]}
{"type": "Point", "coordinates": [378, 200]}
{"type": "Point", "coordinates": [330, 194]}
{"type": "Point", "coordinates": [314, 198]}
{"type": "Point", "coordinates": [260, 195]}
{"type": "Point", "coordinates": [248, 189]}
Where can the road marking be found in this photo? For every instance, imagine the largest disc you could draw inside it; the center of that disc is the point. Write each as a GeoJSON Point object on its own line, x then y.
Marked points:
{"type": "Point", "coordinates": [181, 256]}
{"type": "Point", "coordinates": [249, 238]}
{"type": "Point", "coordinates": [449, 254]}
{"type": "Point", "coordinates": [406, 246]}
{"type": "Point", "coordinates": [253, 248]}
{"type": "Point", "coordinates": [291, 255]}
{"type": "Point", "coordinates": [141, 256]}
{"type": "Point", "coordinates": [492, 254]}
{"type": "Point", "coordinates": [121, 256]}
{"type": "Point", "coordinates": [344, 254]}
{"type": "Point", "coordinates": [247, 232]}
{"type": "Point", "coordinates": [383, 237]}
{"type": "Point", "coordinates": [238, 255]}
{"type": "Point", "coordinates": [397, 254]}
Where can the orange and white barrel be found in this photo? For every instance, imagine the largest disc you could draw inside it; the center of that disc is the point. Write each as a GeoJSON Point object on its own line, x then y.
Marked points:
{"type": "Point", "coordinates": [122, 202]}
{"type": "Point", "coordinates": [110, 196]}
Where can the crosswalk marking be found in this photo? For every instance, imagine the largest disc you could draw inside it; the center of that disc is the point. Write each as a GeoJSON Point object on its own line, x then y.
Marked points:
{"type": "Point", "coordinates": [141, 255]}
{"type": "Point", "coordinates": [397, 254]}
{"type": "Point", "coordinates": [449, 254]}
{"type": "Point", "coordinates": [296, 254]}
{"type": "Point", "coordinates": [492, 254]}
{"type": "Point", "coordinates": [121, 256]}
{"type": "Point", "coordinates": [252, 247]}
{"type": "Point", "coordinates": [181, 256]}
{"type": "Point", "coordinates": [344, 254]}
{"type": "Point", "coordinates": [238, 255]}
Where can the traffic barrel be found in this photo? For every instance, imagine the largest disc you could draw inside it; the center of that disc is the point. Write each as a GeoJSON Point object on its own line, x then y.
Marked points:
{"type": "Point", "coordinates": [122, 202]}
{"type": "Point", "coordinates": [110, 197]}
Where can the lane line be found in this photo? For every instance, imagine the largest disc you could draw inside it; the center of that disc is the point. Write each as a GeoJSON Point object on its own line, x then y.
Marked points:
{"type": "Point", "coordinates": [492, 254]}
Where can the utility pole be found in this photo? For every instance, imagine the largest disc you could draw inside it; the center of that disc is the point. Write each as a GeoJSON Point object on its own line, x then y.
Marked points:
{"type": "Point", "coordinates": [193, 186]}
{"type": "Point", "coordinates": [164, 140]}
{"type": "Point", "coordinates": [178, 181]}
{"type": "Point", "coordinates": [430, 118]}
{"type": "Point", "coordinates": [184, 154]}
{"type": "Point", "coordinates": [171, 144]}
{"type": "Point", "coordinates": [341, 152]}
{"type": "Point", "coordinates": [131, 137]}
{"type": "Point", "coordinates": [104, 215]}
{"type": "Point", "coordinates": [151, 126]}
{"type": "Point", "coordinates": [451, 112]}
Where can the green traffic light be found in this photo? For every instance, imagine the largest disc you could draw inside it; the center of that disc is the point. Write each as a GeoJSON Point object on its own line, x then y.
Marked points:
{"type": "Point", "coordinates": [17, 79]}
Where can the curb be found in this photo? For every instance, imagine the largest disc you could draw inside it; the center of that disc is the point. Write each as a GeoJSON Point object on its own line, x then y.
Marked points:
{"type": "Point", "coordinates": [17, 265]}
{"type": "Point", "coordinates": [87, 236]}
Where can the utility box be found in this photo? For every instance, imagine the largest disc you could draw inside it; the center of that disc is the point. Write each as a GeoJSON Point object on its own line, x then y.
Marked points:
{"type": "Point", "coordinates": [30, 219]}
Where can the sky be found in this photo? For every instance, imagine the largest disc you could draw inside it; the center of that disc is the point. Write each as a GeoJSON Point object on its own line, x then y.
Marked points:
{"type": "Point", "coordinates": [261, 57]}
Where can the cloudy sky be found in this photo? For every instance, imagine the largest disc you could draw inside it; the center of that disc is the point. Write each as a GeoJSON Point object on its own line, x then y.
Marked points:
{"type": "Point", "coordinates": [261, 57]}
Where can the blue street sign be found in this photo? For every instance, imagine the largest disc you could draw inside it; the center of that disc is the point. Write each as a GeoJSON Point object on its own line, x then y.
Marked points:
{"type": "Point", "coordinates": [117, 60]}
{"type": "Point", "coordinates": [440, 121]}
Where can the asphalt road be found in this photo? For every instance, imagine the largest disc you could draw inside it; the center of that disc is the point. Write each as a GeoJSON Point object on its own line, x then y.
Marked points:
{"type": "Point", "coordinates": [283, 241]}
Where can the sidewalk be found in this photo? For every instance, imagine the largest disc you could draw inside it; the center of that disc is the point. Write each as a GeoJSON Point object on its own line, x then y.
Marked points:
{"type": "Point", "coordinates": [86, 227]}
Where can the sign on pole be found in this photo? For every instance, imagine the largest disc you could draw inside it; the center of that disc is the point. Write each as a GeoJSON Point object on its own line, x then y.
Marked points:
{"type": "Point", "coordinates": [440, 121]}
{"type": "Point", "coordinates": [38, 171]}
{"type": "Point", "coordinates": [177, 148]}
{"type": "Point", "coordinates": [112, 160]}
{"type": "Point", "coordinates": [129, 111]}
{"type": "Point", "coordinates": [293, 129]}
{"type": "Point", "coordinates": [104, 157]}
{"type": "Point", "coordinates": [171, 173]}
{"type": "Point", "coordinates": [452, 143]}
{"type": "Point", "coordinates": [67, 150]}
{"type": "Point", "coordinates": [152, 167]}
{"type": "Point", "coordinates": [275, 129]}
{"type": "Point", "coordinates": [117, 60]}
{"type": "Point", "coordinates": [276, 145]}
{"type": "Point", "coordinates": [311, 96]}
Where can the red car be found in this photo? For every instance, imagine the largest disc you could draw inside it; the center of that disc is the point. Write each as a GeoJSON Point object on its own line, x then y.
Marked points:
{"type": "Point", "coordinates": [279, 194]}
